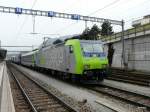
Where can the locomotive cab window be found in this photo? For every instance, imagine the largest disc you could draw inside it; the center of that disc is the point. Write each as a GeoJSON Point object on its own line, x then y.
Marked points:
{"type": "Point", "coordinates": [89, 47]}
{"type": "Point", "coordinates": [92, 49]}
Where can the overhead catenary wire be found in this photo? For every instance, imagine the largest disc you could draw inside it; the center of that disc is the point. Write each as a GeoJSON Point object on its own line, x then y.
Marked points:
{"type": "Point", "coordinates": [25, 19]}
{"type": "Point", "coordinates": [69, 24]}
{"type": "Point", "coordinates": [98, 10]}
{"type": "Point", "coordinates": [34, 3]}
{"type": "Point", "coordinates": [132, 19]}
{"type": "Point", "coordinates": [106, 6]}
{"type": "Point", "coordinates": [70, 6]}
{"type": "Point", "coordinates": [133, 7]}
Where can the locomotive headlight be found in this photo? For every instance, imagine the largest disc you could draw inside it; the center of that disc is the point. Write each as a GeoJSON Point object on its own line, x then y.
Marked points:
{"type": "Point", "coordinates": [86, 67]}
{"type": "Point", "coordinates": [104, 66]}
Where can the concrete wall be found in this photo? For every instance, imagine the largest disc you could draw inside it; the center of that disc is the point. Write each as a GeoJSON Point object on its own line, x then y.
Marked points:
{"type": "Point", "coordinates": [137, 52]}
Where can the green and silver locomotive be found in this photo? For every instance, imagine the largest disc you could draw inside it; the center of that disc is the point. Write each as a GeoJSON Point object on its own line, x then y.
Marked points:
{"type": "Point", "coordinates": [74, 59]}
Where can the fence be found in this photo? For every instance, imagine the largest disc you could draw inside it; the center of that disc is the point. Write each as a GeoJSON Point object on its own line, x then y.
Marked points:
{"type": "Point", "coordinates": [117, 36]}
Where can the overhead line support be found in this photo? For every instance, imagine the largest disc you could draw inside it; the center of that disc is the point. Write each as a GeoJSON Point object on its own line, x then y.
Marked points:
{"type": "Point", "coordinates": [20, 11]}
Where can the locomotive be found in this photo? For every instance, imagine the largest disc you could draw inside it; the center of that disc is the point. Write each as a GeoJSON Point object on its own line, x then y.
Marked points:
{"type": "Point", "coordinates": [73, 59]}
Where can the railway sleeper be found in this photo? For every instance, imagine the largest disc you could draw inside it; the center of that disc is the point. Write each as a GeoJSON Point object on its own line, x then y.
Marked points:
{"type": "Point", "coordinates": [22, 107]}
{"type": "Point", "coordinates": [39, 98]}
{"type": "Point", "coordinates": [47, 102]}
{"type": "Point", "coordinates": [37, 95]}
{"type": "Point", "coordinates": [41, 101]}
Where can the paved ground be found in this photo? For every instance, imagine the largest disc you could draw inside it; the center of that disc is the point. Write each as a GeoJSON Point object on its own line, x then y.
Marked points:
{"type": "Point", "coordinates": [80, 93]}
{"type": "Point", "coordinates": [6, 104]}
{"type": "Point", "coordinates": [1, 77]}
{"type": "Point", "coordinates": [1, 72]}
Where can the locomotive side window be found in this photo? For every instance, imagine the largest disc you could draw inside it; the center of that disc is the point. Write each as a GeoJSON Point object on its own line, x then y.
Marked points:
{"type": "Point", "coordinates": [70, 49]}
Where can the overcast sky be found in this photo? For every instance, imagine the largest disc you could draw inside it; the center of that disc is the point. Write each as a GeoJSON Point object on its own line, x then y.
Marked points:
{"type": "Point", "coordinates": [14, 29]}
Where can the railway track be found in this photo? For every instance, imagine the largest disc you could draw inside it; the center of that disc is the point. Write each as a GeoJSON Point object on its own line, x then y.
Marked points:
{"type": "Point", "coordinates": [130, 77]}
{"type": "Point", "coordinates": [129, 97]}
{"type": "Point", "coordinates": [20, 102]}
{"type": "Point", "coordinates": [29, 96]}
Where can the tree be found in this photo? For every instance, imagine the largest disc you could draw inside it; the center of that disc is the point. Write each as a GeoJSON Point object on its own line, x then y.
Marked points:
{"type": "Point", "coordinates": [91, 34]}
{"type": "Point", "coordinates": [94, 32]}
{"type": "Point", "coordinates": [107, 29]}
{"type": "Point", "coordinates": [85, 34]}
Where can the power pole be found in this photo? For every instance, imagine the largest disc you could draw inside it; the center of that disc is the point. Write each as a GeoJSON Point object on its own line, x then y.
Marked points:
{"type": "Point", "coordinates": [85, 24]}
{"type": "Point", "coordinates": [33, 24]}
{"type": "Point", "coordinates": [123, 45]}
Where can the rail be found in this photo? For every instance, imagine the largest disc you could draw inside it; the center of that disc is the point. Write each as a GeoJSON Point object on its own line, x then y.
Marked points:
{"type": "Point", "coordinates": [124, 95]}
{"type": "Point", "coordinates": [33, 91]}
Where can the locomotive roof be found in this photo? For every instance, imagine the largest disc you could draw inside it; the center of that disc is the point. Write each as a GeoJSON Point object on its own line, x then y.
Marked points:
{"type": "Point", "coordinates": [92, 41]}
{"type": "Point", "coordinates": [52, 41]}
{"type": "Point", "coordinates": [29, 53]}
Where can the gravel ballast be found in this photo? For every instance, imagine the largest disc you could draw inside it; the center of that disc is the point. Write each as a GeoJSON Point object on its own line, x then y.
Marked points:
{"type": "Point", "coordinates": [79, 97]}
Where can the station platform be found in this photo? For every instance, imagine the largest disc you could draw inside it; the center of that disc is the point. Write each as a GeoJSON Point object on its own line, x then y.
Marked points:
{"type": "Point", "coordinates": [6, 100]}
{"type": "Point", "coordinates": [129, 87]}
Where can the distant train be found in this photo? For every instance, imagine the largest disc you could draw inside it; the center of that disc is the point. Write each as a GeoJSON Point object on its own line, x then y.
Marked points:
{"type": "Point", "coordinates": [73, 59]}
{"type": "Point", "coordinates": [3, 53]}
